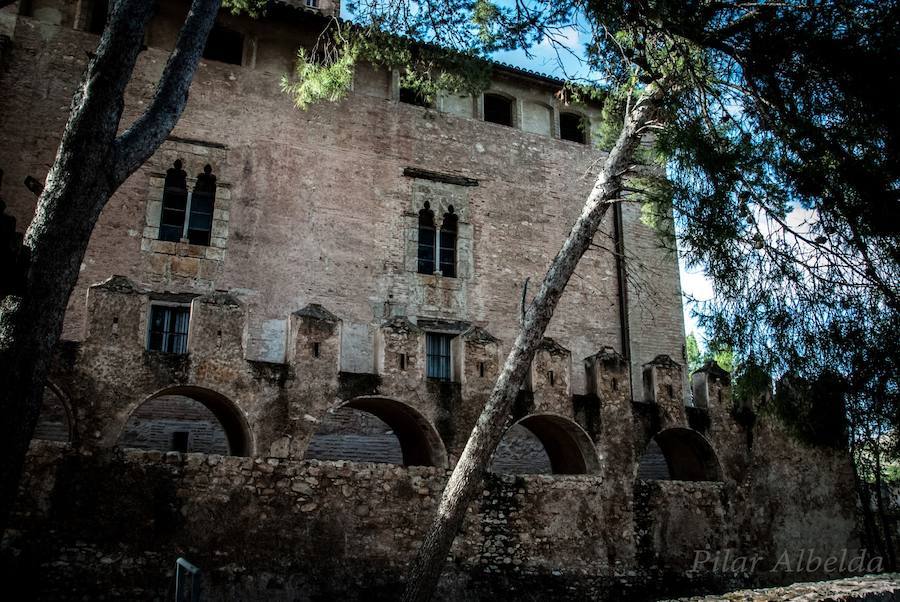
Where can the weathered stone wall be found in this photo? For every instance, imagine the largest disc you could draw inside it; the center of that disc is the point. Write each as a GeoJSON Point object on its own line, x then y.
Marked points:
{"type": "Point", "coordinates": [281, 529]}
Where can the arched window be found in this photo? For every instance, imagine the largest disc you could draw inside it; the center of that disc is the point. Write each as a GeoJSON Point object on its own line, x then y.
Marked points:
{"type": "Point", "coordinates": [679, 454]}
{"type": "Point", "coordinates": [188, 419]}
{"type": "Point", "coordinates": [201, 211]}
{"type": "Point", "coordinates": [174, 203]}
{"type": "Point", "coordinates": [376, 429]}
{"type": "Point", "coordinates": [447, 238]}
{"type": "Point", "coordinates": [498, 109]}
{"type": "Point", "coordinates": [545, 444]}
{"type": "Point", "coordinates": [573, 127]}
{"type": "Point", "coordinates": [427, 236]}
{"type": "Point", "coordinates": [187, 216]}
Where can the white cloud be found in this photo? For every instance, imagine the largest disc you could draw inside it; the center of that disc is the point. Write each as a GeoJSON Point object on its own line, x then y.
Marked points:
{"type": "Point", "coordinates": [566, 36]}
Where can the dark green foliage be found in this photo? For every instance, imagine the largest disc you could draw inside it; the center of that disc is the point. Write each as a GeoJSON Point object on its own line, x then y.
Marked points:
{"type": "Point", "coordinates": [813, 410]}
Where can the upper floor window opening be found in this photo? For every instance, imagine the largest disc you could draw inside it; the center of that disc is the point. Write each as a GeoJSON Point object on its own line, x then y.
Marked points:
{"type": "Point", "coordinates": [437, 246]}
{"type": "Point", "coordinates": [312, 3]}
{"type": "Point", "coordinates": [224, 45]}
{"type": "Point", "coordinates": [187, 215]}
{"type": "Point", "coordinates": [427, 239]}
{"type": "Point", "coordinates": [412, 96]}
{"type": "Point", "coordinates": [447, 246]}
{"type": "Point", "coordinates": [498, 109]}
{"type": "Point", "coordinates": [437, 354]}
{"type": "Point", "coordinates": [573, 127]}
{"type": "Point", "coordinates": [169, 328]}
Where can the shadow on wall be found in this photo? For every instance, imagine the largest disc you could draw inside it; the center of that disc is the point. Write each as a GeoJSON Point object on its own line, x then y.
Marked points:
{"type": "Point", "coordinates": [188, 419]}
{"type": "Point", "coordinates": [545, 444]}
{"type": "Point", "coordinates": [377, 429]}
{"type": "Point", "coordinates": [679, 454]}
{"type": "Point", "coordinates": [54, 422]}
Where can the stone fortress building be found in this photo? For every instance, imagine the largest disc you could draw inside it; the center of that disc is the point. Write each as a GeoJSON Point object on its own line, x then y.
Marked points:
{"type": "Point", "coordinates": [287, 323]}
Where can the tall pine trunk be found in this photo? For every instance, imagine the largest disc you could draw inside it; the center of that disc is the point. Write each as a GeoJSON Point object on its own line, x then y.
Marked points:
{"type": "Point", "coordinates": [91, 163]}
{"type": "Point", "coordinates": [465, 482]}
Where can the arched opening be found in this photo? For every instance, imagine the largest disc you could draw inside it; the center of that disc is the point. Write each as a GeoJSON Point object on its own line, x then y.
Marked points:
{"type": "Point", "coordinates": [573, 127]}
{"type": "Point", "coordinates": [377, 429]}
{"type": "Point", "coordinates": [545, 444]}
{"type": "Point", "coordinates": [188, 419]}
{"type": "Point", "coordinates": [55, 421]}
{"type": "Point", "coordinates": [679, 454]}
{"type": "Point", "coordinates": [426, 251]}
{"type": "Point", "coordinates": [498, 109]}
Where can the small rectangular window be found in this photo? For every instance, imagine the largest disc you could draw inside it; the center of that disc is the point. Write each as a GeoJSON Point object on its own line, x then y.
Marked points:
{"type": "Point", "coordinates": [437, 349]}
{"type": "Point", "coordinates": [403, 361]}
{"type": "Point", "coordinates": [169, 328]}
{"type": "Point", "coordinates": [312, 3]}
{"type": "Point", "coordinates": [315, 349]}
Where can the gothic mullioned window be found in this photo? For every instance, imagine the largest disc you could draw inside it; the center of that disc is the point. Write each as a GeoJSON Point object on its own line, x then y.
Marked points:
{"type": "Point", "coordinates": [187, 215]}
{"type": "Point", "coordinates": [437, 246]}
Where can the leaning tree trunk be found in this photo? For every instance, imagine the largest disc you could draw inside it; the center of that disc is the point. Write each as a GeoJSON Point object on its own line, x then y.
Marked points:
{"type": "Point", "coordinates": [466, 479]}
{"type": "Point", "coordinates": [91, 163]}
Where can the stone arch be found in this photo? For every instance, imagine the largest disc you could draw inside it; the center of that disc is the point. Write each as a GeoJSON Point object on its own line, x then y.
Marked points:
{"type": "Point", "coordinates": [56, 421]}
{"type": "Point", "coordinates": [568, 448]}
{"type": "Point", "coordinates": [679, 454]}
{"type": "Point", "coordinates": [415, 440]}
{"type": "Point", "coordinates": [216, 414]}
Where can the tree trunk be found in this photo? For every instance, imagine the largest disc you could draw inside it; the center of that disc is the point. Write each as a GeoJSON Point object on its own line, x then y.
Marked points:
{"type": "Point", "coordinates": [466, 479]}
{"type": "Point", "coordinates": [91, 163]}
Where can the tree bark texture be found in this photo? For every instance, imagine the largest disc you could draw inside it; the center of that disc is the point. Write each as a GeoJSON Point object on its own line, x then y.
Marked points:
{"type": "Point", "coordinates": [91, 163]}
{"type": "Point", "coordinates": [465, 481]}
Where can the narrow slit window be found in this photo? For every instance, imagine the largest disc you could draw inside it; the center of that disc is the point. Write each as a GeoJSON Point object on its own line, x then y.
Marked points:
{"type": "Point", "coordinates": [403, 361]}
{"type": "Point", "coordinates": [315, 349]}
{"type": "Point", "coordinates": [481, 369]}
{"type": "Point", "coordinates": [572, 127]}
{"type": "Point", "coordinates": [427, 236]}
{"type": "Point", "coordinates": [551, 378]}
{"type": "Point", "coordinates": [169, 328]}
{"type": "Point", "coordinates": [437, 347]}
{"type": "Point", "coordinates": [498, 109]}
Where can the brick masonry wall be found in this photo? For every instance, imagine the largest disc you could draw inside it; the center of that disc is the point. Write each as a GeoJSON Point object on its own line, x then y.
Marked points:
{"type": "Point", "coordinates": [319, 203]}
